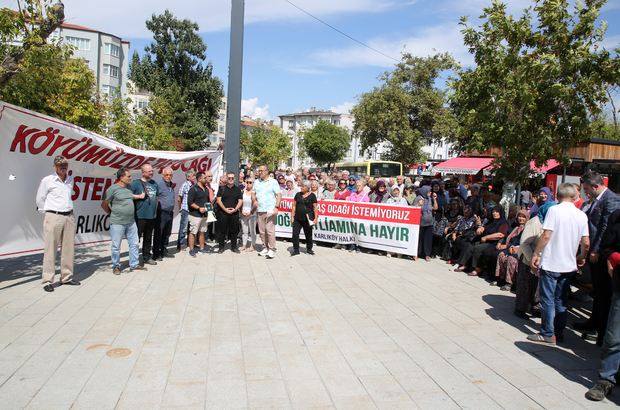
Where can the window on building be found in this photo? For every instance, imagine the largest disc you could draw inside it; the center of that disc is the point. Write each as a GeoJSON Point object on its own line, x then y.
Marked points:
{"type": "Point", "coordinates": [291, 123]}
{"type": "Point", "coordinates": [222, 129]}
{"type": "Point", "coordinates": [439, 156]}
{"type": "Point", "coordinates": [142, 104]}
{"type": "Point", "coordinates": [222, 117]}
{"type": "Point", "coordinates": [109, 90]}
{"type": "Point", "coordinates": [336, 122]}
{"type": "Point", "coordinates": [79, 43]}
{"type": "Point", "coordinates": [111, 49]}
{"type": "Point", "coordinates": [440, 144]}
{"type": "Point", "coordinates": [110, 70]}
{"type": "Point", "coordinates": [223, 106]}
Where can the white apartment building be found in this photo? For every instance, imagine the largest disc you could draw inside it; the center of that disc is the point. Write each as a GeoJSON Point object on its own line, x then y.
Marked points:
{"type": "Point", "coordinates": [106, 54]}
{"type": "Point", "coordinates": [217, 137]}
{"type": "Point", "coordinates": [296, 122]}
{"type": "Point", "coordinates": [438, 151]}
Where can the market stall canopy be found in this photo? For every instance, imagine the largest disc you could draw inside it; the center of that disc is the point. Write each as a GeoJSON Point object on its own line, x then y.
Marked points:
{"type": "Point", "coordinates": [549, 165]}
{"type": "Point", "coordinates": [463, 165]}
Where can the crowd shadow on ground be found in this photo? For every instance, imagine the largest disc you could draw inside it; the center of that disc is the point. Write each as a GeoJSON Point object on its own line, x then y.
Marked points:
{"type": "Point", "coordinates": [576, 359]}
{"type": "Point", "coordinates": [21, 270]}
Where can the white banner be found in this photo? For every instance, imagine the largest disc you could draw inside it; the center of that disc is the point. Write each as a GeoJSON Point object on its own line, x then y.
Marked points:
{"type": "Point", "coordinates": [383, 227]}
{"type": "Point", "coordinates": [29, 143]}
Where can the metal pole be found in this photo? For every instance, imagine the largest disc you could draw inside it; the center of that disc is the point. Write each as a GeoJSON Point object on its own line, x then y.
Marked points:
{"type": "Point", "coordinates": [235, 68]}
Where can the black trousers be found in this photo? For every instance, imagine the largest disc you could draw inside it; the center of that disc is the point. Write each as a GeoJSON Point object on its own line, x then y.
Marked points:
{"type": "Point", "coordinates": [145, 227]}
{"type": "Point", "coordinates": [458, 248]}
{"type": "Point", "coordinates": [162, 229]}
{"type": "Point", "coordinates": [227, 224]}
{"type": "Point", "coordinates": [297, 227]}
{"type": "Point", "coordinates": [602, 291]}
{"type": "Point", "coordinates": [425, 242]}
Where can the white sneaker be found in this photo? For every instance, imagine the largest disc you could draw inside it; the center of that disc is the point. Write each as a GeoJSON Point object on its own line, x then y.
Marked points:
{"type": "Point", "coordinates": [271, 254]}
{"type": "Point", "coordinates": [264, 252]}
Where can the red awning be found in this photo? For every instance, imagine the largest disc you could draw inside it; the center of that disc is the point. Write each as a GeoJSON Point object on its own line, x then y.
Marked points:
{"type": "Point", "coordinates": [463, 165]}
{"type": "Point", "coordinates": [549, 165]}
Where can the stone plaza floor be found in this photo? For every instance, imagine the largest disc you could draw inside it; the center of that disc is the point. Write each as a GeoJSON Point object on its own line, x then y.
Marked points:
{"type": "Point", "coordinates": [235, 331]}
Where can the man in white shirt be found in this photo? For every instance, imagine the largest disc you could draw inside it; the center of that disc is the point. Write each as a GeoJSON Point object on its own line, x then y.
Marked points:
{"type": "Point", "coordinates": [54, 200]}
{"type": "Point", "coordinates": [564, 228]}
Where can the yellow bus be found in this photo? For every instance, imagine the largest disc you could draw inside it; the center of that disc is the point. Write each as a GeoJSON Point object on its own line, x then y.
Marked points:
{"type": "Point", "coordinates": [376, 169]}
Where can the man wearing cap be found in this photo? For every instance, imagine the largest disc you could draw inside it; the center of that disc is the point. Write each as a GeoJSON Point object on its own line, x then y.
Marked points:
{"type": "Point", "coordinates": [54, 200]}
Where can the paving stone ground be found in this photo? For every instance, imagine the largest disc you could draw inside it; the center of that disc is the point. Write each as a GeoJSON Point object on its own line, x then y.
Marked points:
{"type": "Point", "coordinates": [332, 331]}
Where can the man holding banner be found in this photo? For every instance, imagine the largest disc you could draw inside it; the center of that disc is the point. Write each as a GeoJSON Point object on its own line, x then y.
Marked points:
{"type": "Point", "coordinates": [54, 199]}
{"type": "Point", "coordinates": [146, 210]}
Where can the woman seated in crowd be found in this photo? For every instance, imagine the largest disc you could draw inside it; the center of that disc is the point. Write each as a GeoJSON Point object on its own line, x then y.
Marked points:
{"type": "Point", "coordinates": [464, 232]}
{"type": "Point", "coordinates": [452, 213]}
{"type": "Point", "coordinates": [488, 235]}
{"type": "Point", "coordinates": [507, 259]}
{"type": "Point", "coordinates": [343, 193]}
{"type": "Point", "coordinates": [330, 191]}
{"type": "Point", "coordinates": [525, 280]}
{"type": "Point", "coordinates": [397, 198]}
{"type": "Point", "coordinates": [290, 190]}
{"type": "Point", "coordinates": [380, 195]}
{"type": "Point", "coordinates": [474, 199]}
{"type": "Point", "coordinates": [544, 196]}
{"type": "Point", "coordinates": [427, 201]}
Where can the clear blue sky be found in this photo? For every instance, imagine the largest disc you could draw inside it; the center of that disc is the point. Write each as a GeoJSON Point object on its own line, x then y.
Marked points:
{"type": "Point", "coordinates": [293, 62]}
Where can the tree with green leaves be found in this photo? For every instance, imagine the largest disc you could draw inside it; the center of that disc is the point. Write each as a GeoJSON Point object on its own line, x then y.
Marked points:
{"type": "Point", "coordinates": [326, 143]}
{"type": "Point", "coordinates": [25, 29]}
{"type": "Point", "coordinates": [173, 68]}
{"type": "Point", "coordinates": [262, 146]}
{"type": "Point", "coordinates": [49, 81]}
{"type": "Point", "coordinates": [535, 86]}
{"type": "Point", "coordinates": [407, 109]}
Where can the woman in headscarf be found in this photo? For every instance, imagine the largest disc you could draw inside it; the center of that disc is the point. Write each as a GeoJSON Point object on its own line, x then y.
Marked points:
{"type": "Point", "coordinates": [507, 259]}
{"type": "Point", "coordinates": [462, 234]}
{"type": "Point", "coordinates": [452, 212]}
{"type": "Point", "coordinates": [526, 281]}
{"type": "Point", "coordinates": [441, 198]}
{"type": "Point", "coordinates": [544, 196]}
{"type": "Point", "coordinates": [397, 198]}
{"type": "Point", "coordinates": [488, 235]}
{"type": "Point", "coordinates": [351, 183]}
{"type": "Point", "coordinates": [381, 194]}
{"type": "Point", "coordinates": [343, 193]}
{"type": "Point", "coordinates": [409, 193]}
{"type": "Point", "coordinates": [427, 201]}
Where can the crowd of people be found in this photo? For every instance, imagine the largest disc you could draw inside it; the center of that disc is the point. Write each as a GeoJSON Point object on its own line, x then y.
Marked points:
{"type": "Point", "coordinates": [535, 251]}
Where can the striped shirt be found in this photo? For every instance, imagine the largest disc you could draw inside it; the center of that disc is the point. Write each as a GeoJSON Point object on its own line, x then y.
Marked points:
{"type": "Point", "coordinates": [183, 193]}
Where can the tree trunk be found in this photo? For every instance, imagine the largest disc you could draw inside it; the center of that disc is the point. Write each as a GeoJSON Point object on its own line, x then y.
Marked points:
{"type": "Point", "coordinates": [10, 65]}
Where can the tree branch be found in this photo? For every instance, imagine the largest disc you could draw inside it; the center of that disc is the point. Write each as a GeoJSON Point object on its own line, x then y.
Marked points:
{"type": "Point", "coordinates": [10, 65]}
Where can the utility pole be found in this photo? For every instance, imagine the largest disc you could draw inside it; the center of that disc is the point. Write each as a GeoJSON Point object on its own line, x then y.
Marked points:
{"type": "Point", "coordinates": [235, 70]}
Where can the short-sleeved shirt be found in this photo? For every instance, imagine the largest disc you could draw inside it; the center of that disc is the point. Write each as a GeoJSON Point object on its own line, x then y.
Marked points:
{"type": "Point", "coordinates": [230, 196]}
{"type": "Point", "coordinates": [266, 194]}
{"type": "Point", "coordinates": [166, 195]}
{"type": "Point", "coordinates": [569, 225]}
{"type": "Point", "coordinates": [183, 194]}
{"type": "Point", "coordinates": [198, 196]}
{"type": "Point", "coordinates": [304, 206]}
{"type": "Point", "coordinates": [145, 208]}
{"type": "Point", "coordinates": [462, 190]}
{"type": "Point", "coordinates": [121, 203]}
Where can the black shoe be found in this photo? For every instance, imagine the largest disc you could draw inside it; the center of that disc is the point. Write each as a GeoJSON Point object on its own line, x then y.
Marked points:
{"type": "Point", "coordinates": [235, 250]}
{"type": "Point", "coordinates": [48, 288]}
{"type": "Point", "coordinates": [221, 250]}
{"type": "Point", "coordinates": [310, 252]}
{"type": "Point", "coordinates": [521, 314]}
{"type": "Point", "coordinates": [586, 326]}
{"type": "Point", "coordinates": [602, 389]}
{"type": "Point", "coordinates": [295, 253]}
{"type": "Point", "coordinates": [158, 258]}
{"type": "Point", "coordinates": [71, 282]}
{"type": "Point", "coordinates": [150, 262]}
{"type": "Point", "coordinates": [559, 337]}
{"type": "Point", "coordinates": [535, 313]}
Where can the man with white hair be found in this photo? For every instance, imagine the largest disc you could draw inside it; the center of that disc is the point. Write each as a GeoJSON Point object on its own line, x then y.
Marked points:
{"type": "Point", "coordinates": [146, 210]}
{"type": "Point", "coordinates": [564, 228]}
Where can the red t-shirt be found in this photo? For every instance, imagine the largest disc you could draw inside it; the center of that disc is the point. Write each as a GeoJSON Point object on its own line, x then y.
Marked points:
{"type": "Point", "coordinates": [342, 197]}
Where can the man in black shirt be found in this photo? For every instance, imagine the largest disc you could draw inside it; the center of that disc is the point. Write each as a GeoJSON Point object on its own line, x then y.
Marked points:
{"type": "Point", "coordinates": [197, 198]}
{"type": "Point", "coordinates": [229, 200]}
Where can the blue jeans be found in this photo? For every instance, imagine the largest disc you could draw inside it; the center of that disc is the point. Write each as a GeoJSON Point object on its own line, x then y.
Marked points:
{"type": "Point", "coordinates": [553, 301]}
{"type": "Point", "coordinates": [610, 351]}
{"type": "Point", "coordinates": [130, 231]}
{"type": "Point", "coordinates": [183, 228]}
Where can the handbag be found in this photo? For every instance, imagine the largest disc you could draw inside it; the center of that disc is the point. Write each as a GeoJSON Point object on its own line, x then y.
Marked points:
{"type": "Point", "coordinates": [469, 234]}
{"type": "Point", "coordinates": [439, 227]}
